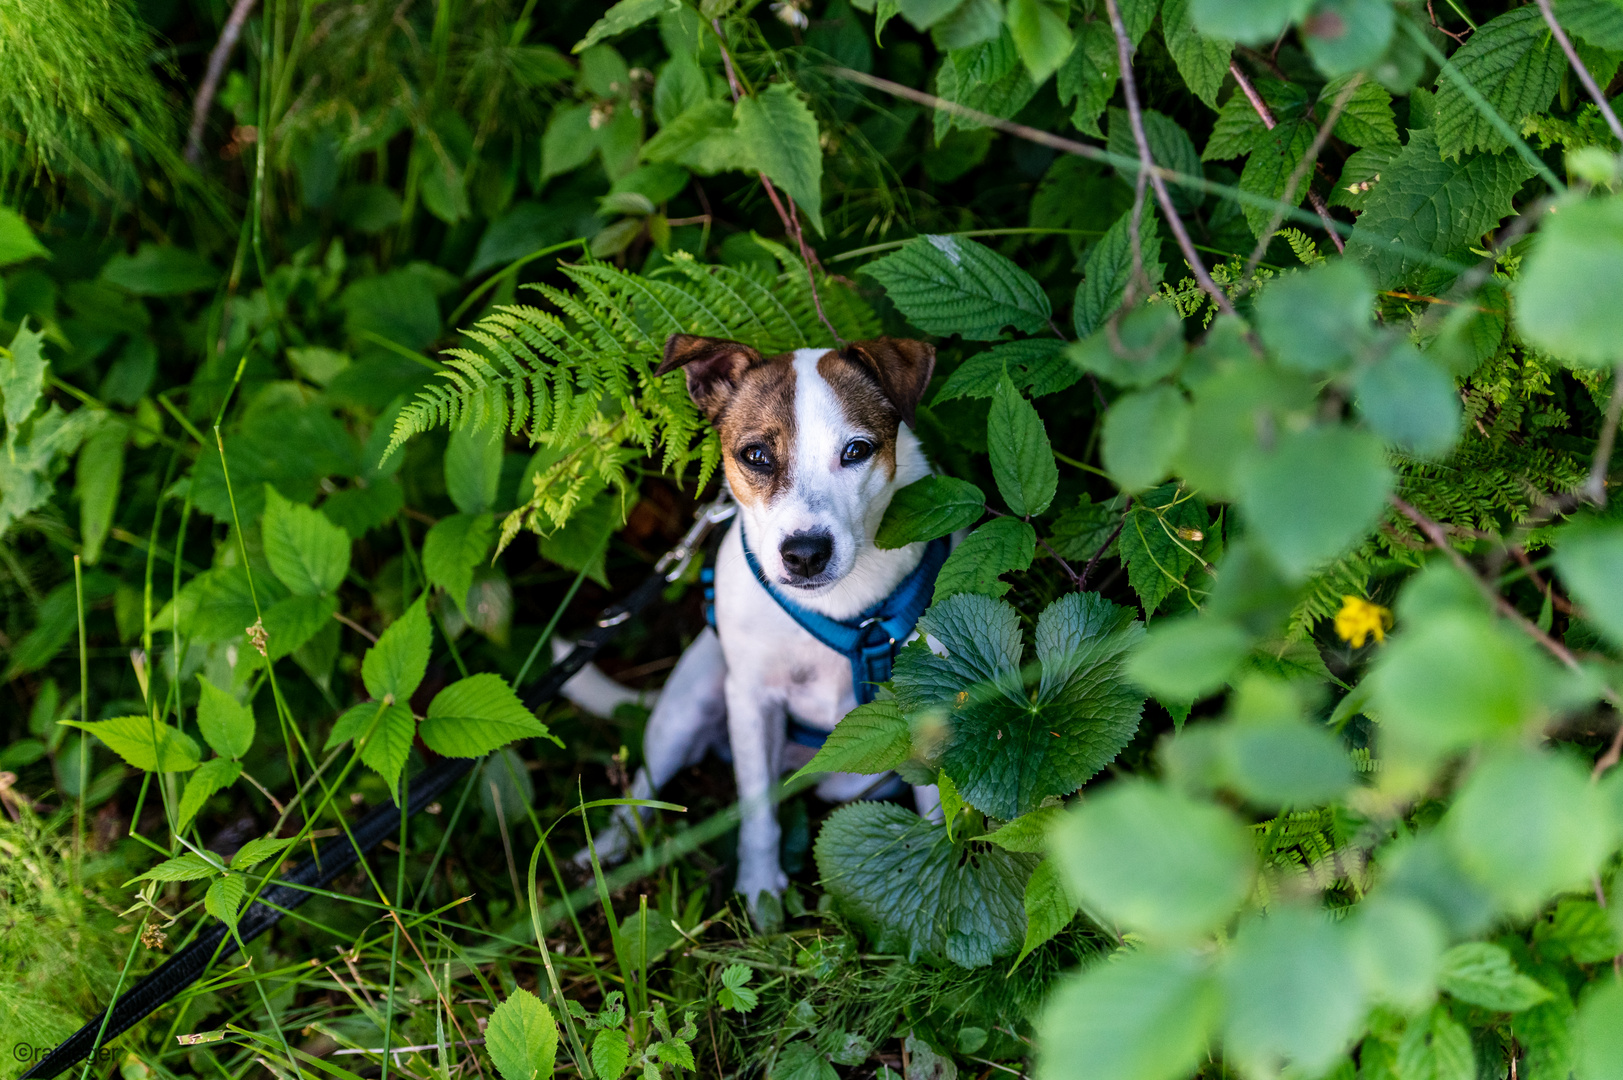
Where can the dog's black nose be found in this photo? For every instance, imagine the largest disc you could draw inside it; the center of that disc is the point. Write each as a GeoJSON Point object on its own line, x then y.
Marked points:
{"type": "Point", "coordinates": [805, 554]}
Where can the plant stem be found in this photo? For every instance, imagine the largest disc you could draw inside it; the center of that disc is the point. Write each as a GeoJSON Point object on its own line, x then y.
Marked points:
{"type": "Point", "coordinates": [1582, 72]}
{"type": "Point", "coordinates": [1267, 118]}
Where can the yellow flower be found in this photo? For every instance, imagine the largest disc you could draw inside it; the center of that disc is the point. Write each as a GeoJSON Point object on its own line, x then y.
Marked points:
{"type": "Point", "coordinates": [1358, 619]}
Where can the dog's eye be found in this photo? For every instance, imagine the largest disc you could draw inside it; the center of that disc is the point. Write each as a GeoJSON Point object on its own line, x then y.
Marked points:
{"type": "Point", "coordinates": [857, 450]}
{"type": "Point", "coordinates": [756, 456]}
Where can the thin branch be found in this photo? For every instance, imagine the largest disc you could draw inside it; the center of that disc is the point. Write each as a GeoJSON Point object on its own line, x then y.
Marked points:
{"type": "Point", "coordinates": [1303, 167]}
{"type": "Point", "coordinates": [1124, 52]}
{"type": "Point", "coordinates": [1268, 122]}
{"type": "Point", "coordinates": [211, 78]}
{"type": "Point", "coordinates": [1087, 571]}
{"type": "Point", "coordinates": [1595, 487]}
{"type": "Point", "coordinates": [1583, 72]}
{"type": "Point", "coordinates": [1138, 284]}
{"type": "Point", "coordinates": [355, 626]}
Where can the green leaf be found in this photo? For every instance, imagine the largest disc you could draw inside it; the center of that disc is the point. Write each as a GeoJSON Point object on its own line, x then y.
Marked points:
{"type": "Point", "coordinates": [159, 270]}
{"type": "Point", "coordinates": [1049, 908]}
{"type": "Point", "coordinates": [1600, 1033]}
{"type": "Point", "coordinates": [1170, 148]}
{"type": "Point", "coordinates": [473, 468]}
{"type": "Point", "coordinates": [1028, 832]}
{"type": "Point", "coordinates": [395, 665]}
{"type": "Point", "coordinates": [623, 16]}
{"type": "Point", "coordinates": [306, 551]}
{"type": "Point", "coordinates": [224, 898]}
{"type": "Point", "coordinates": [1367, 118]}
{"type": "Point", "coordinates": [1254, 22]}
{"type": "Point", "coordinates": [1410, 402]}
{"type": "Point", "coordinates": [1037, 366]}
{"type": "Point", "coordinates": [988, 78]}
{"type": "Point", "coordinates": [1570, 288]}
{"type": "Point", "coordinates": [22, 378]}
{"type": "Point", "coordinates": [1314, 496]}
{"type": "Point", "coordinates": [382, 738]}
{"type": "Point", "coordinates": [1147, 346]}
{"type": "Point", "coordinates": [801, 1060]}
{"type": "Point", "coordinates": [100, 472]}
{"type": "Point", "coordinates": [1285, 764]}
{"type": "Point", "coordinates": [1143, 432]}
{"type": "Point", "coordinates": [1085, 529]}
{"type": "Point", "coordinates": [611, 1052]}
{"type": "Point", "coordinates": [1435, 1046]}
{"type": "Point", "coordinates": [17, 241]}
{"type": "Point", "coordinates": [735, 995]}
{"type": "Point", "coordinates": [928, 508]}
{"type": "Point", "coordinates": [258, 850]}
{"type": "Point", "coordinates": [226, 724]}
{"type": "Point", "coordinates": [1009, 747]}
{"type": "Point", "coordinates": [211, 777]}
{"type": "Point", "coordinates": [949, 285]}
{"type": "Point", "coordinates": [1139, 1015]}
{"type": "Point", "coordinates": [1022, 459]}
{"type": "Point", "coordinates": [144, 743]}
{"type": "Point", "coordinates": [1553, 836]}
{"type": "Point", "coordinates": [453, 549]}
{"type": "Point", "coordinates": [704, 138]}
{"type": "Point", "coordinates": [1425, 207]}
{"type": "Point", "coordinates": [1398, 949]}
{"type": "Point", "coordinates": [570, 142]}
{"type": "Point", "coordinates": [522, 1038]}
{"type": "Point", "coordinates": [1589, 556]}
{"type": "Point", "coordinates": [1239, 129]}
{"type": "Point", "coordinates": [912, 890]}
{"type": "Point", "coordinates": [1089, 75]}
{"type": "Point", "coordinates": [291, 623]}
{"type": "Point", "coordinates": [1291, 993]}
{"type": "Point", "coordinates": [1041, 36]}
{"type": "Point", "coordinates": [779, 134]}
{"type": "Point", "coordinates": [1202, 61]}
{"type": "Point", "coordinates": [1516, 65]}
{"type": "Point", "coordinates": [1155, 861]}
{"type": "Point", "coordinates": [1579, 929]}
{"type": "Point", "coordinates": [871, 738]}
{"type": "Point", "coordinates": [1317, 320]}
{"type": "Point", "coordinates": [924, 14]}
{"type": "Point", "coordinates": [1483, 974]}
{"type": "Point", "coordinates": [1268, 170]}
{"type": "Point", "coordinates": [476, 715]}
{"type": "Point", "coordinates": [188, 867]}
{"type": "Point", "coordinates": [1163, 539]}
{"type": "Point", "coordinates": [1108, 268]}
{"type": "Point", "coordinates": [996, 548]}
{"type": "Point", "coordinates": [1345, 36]}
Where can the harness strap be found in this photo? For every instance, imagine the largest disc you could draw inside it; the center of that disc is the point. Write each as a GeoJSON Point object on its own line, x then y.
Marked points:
{"type": "Point", "coordinates": [870, 639]}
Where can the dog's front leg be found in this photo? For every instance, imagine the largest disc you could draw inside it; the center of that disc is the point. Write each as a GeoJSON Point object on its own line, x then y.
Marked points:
{"type": "Point", "coordinates": [755, 726]}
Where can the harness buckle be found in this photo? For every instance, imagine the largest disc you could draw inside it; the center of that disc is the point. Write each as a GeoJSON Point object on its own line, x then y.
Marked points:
{"type": "Point", "coordinates": [674, 563]}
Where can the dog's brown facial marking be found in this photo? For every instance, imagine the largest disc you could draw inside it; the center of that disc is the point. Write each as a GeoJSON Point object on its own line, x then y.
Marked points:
{"type": "Point", "coordinates": [865, 405]}
{"type": "Point", "coordinates": [757, 429]}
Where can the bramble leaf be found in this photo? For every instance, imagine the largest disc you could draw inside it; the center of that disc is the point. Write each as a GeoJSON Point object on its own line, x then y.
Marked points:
{"type": "Point", "coordinates": [950, 285]}
{"type": "Point", "coordinates": [476, 715]}
{"type": "Point", "coordinates": [928, 508]}
{"type": "Point", "coordinates": [522, 1038]}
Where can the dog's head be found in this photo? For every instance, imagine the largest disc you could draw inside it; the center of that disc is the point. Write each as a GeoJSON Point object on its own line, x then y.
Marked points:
{"type": "Point", "coordinates": [813, 443]}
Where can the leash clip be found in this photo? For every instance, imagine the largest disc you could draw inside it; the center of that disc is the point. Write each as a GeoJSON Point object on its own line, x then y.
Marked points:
{"type": "Point", "coordinates": [674, 563]}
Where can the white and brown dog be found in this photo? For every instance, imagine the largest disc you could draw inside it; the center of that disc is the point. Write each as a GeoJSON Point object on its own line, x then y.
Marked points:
{"type": "Point", "coordinates": [808, 611]}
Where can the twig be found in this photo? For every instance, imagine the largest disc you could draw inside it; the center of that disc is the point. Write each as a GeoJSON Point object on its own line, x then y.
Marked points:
{"type": "Point", "coordinates": [1595, 487]}
{"type": "Point", "coordinates": [1124, 52]}
{"type": "Point", "coordinates": [1087, 570]}
{"type": "Point", "coordinates": [355, 626]}
{"type": "Point", "coordinates": [1268, 122]}
{"type": "Point", "coordinates": [1560, 603]}
{"type": "Point", "coordinates": [409, 1049]}
{"type": "Point", "coordinates": [1303, 167]}
{"type": "Point", "coordinates": [1459, 38]}
{"type": "Point", "coordinates": [211, 78]}
{"type": "Point", "coordinates": [1139, 281]}
{"type": "Point", "coordinates": [1583, 72]}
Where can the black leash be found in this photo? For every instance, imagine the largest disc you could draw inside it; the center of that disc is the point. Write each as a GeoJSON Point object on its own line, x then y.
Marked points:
{"type": "Point", "coordinates": [339, 855]}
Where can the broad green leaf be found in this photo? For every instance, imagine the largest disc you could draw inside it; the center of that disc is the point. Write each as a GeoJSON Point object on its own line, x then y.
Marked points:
{"type": "Point", "coordinates": [160, 270]}
{"type": "Point", "coordinates": [1423, 869]}
{"type": "Point", "coordinates": [188, 867]}
{"type": "Point", "coordinates": [1139, 1015]}
{"type": "Point", "coordinates": [1551, 837]}
{"type": "Point", "coordinates": [384, 742]}
{"type": "Point", "coordinates": [1346, 35]}
{"type": "Point", "coordinates": [17, 241]}
{"type": "Point", "coordinates": [988, 77]}
{"type": "Point", "coordinates": [1545, 1033]}
{"type": "Point", "coordinates": [1600, 1032]}
{"type": "Point", "coordinates": [1410, 402]}
{"type": "Point", "coordinates": [910, 888]}
{"type": "Point", "coordinates": [1425, 207]}
{"type": "Point", "coordinates": [100, 472]}
{"type": "Point", "coordinates": [1162, 541]}
{"type": "Point", "coordinates": [871, 738]}
{"type": "Point", "coordinates": [1041, 36]}
{"type": "Point", "coordinates": [1482, 973]}
{"type": "Point", "coordinates": [1254, 22]}
{"type": "Point", "coordinates": [1317, 320]}
{"type": "Point", "coordinates": [1022, 459]}
{"type": "Point", "coordinates": [1089, 75]}
{"type": "Point", "coordinates": [928, 508]}
{"type": "Point", "coordinates": [258, 850]}
{"type": "Point", "coordinates": [1146, 346]}
{"type": "Point", "coordinates": [306, 551]}
{"type": "Point", "coordinates": [1202, 61]}
{"type": "Point", "coordinates": [949, 285]}
{"type": "Point", "coordinates": [1291, 993]}
{"type": "Point", "coordinates": [212, 776]}
{"type": "Point", "coordinates": [1037, 367]}
{"type": "Point", "coordinates": [975, 566]}
{"type": "Point", "coordinates": [1049, 909]}
{"type": "Point", "coordinates": [801, 1060]}
{"type": "Point", "coordinates": [1170, 148]}
{"type": "Point", "coordinates": [22, 378]}
{"type": "Point", "coordinates": [1108, 268]}
{"type": "Point", "coordinates": [1398, 949]}
{"type": "Point", "coordinates": [1268, 170]}
{"type": "Point", "coordinates": [924, 14]}
{"type": "Point", "coordinates": [623, 16]}
{"type": "Point", "coordinates": [1155, 861]}
{"type": "Point", "coordinates": [1228, 408]}
{"type": "Point", "coordinates": [611, 1052]}
{"type": "Point", "coordinates": [779, 133]}
{"type": "Point", "coordinates": [1578, 929]}
{"type": "Point", "coordinates": [360, 508]}
{"type": "Point", "coordinates": [453, 549]}
{"type": "Point", "coordinates": [1285, 764]}
{"type": "Point", "coordinates": [144, 743]}
{"type": "Point", "coordinates": [1008, 746]}
{"type": "Point", "coordinates": [1571, 286]}
{"type": "Point", "coordinates": [952, 804]}
{"type": "Point", "coordinates": [1239, 129]}
{"type": "Point", "coordinates": [703, 138]}
{"type": "Point", "coordinates": [1314, 495]}
{"type": "Point", "coordinates": [1367, 118]}
{"type": "Point", "coordinates": [570, 142]}
{"type": "Point", "coordinates": [1435, 1046]}
{"type": "Point", "coordinates": [292, 622]}
{"type": "Point", "coordinates": [227, 725]}
{"type": "Point", "coordinates": [395, 665]}
{"type": "Point", "coordinates": [1143, 432]}
{"type": "Point", "coordinates": [473, 468]}
{"type": "Point", "coordinates": [224, 898]}
{"type": "Point", "coordinates": [1028, 832]}
{"type": "Point", "coordinates": [476, 715]}
{"type": "Point", "coordinates": [971, 23]}
{"type": "Point", "coordinates": [1085, 529]}
{"type": "Point", "coordinates": [1589, 555]}
{"type": "Point", "coordinates": [522, 1038]}
{"type": "Point", "coordinates": [1515, 64]}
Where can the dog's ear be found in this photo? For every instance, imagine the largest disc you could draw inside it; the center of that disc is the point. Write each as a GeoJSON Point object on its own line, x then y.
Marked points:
{"type": "Point", "coordinates": [713, 367]}
{"type": "Point", "coordinates": [901, 367]}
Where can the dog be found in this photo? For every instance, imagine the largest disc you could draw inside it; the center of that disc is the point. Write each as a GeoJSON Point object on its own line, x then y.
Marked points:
{"type": "Point", "coordinates": [814, 443]}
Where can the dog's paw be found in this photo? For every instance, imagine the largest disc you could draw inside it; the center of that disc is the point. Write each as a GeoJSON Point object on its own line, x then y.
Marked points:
{"type": "Point", "coordinates": [757, 882]}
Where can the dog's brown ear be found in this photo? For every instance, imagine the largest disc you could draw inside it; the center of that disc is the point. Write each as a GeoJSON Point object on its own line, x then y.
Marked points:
{"type": "Point", "coordinates": [901, 367]}
{"type": "Point", "coordinates": [713, 367]}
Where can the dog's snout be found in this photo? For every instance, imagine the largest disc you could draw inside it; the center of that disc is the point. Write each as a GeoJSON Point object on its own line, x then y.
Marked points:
{"type": "Point", "coordinates": [806, 554]}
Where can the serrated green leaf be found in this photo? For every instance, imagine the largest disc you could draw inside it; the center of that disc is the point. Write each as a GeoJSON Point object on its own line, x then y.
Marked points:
{"type": "Point", "coordinates": [1254, 22]}
{"type": "Point", "coordinates": [1589, 556]}
{"type": "Point", "coordinates": [1141, 1015]}
{"type": "Point", "coordinates": [226, 724]}
{"type": "Point", "coordinates": [160, 270]}
{"type": "Point", "coordinates": [473, 467]}
{"type": "Point", "coordinates": [188, 867]}
{"type": "Point", "coordinates": [988, 78]}
{"type": "Point", "coordinates": [1022, 459]}
{"type": "Point", "coordinates": [623, 16]}
{"type": "Point", "coordinates": [1037, 366]}
{"type": "Point", "coordinates": [1162, 539]}
{"type": "Point", "coordinates": [1367, 118]}
{"type": "Point", "coordinates": [1570, 288]}
{"type": "Point", "coordinates": [1049, 907]}
{"type": "Point", "coordinates": [1202, 61]}
{"type": "Point", "coordinates": [1170, 148]}
{"type": "Point", "coordinates": [928, 508]}
{"type": "Point", "coordinates": [382, 735]}
{"type": "Point", "coordinates": [258, 850]}
{"type": "Point", "coordinates": [522, 1038]}
{"type": "Point", "coordinates": [985, 555]}
{"type": "Point", "coordinates": [610, 1053]}
{"type": "Point", "coordinates": [1436, 1047]}
{"type": "Point", "coordinates": [1089, 75]}
{"type": "Point", "coordinates": [1483, 974]}
{"type": "Point", "coordinates": [476, 715]}
{"type": "Point", "coordinates": [950, 285]}
{"type": "Point", "coordinates": [1320, 319]}
{"type": "Point", "coordinates": [100, 472]}
{"type": "Point", "coordinates": [453, 549]}
{"type": "Point", "coordinates": [1143, 432]}
{"type": "Point", "coordinates": [395, 665]}
{"type": "Point", "coordinates": [1188, 659]}
{"type": "Point", "coordinates": [779, 135]}
{"type": "Point", "coordinates": [1147, 345]}
{"type": "Point", "coordinates": [292, 622]}
{"type": "Point", "coordinates": [144, 743]}
{"type": "Point", "coordinates": [1041, 36]}
{"type": "Point", "coordinates": [210, 777]}
{"type": "Point", "coordinates": [871, 738]}
{"type": "Point", "coordinates": [1108, 268]}
{"type": "Point", "coordinates": [1239, 128]}
{"type": "Point", "coordinates": [22, 378]}
{"type": "Point", "coordinates": [1084, 529]}
{"type": "Point", "coordinates": [1268, 170]}
{"type": "Point", "coordinates": [17, 241]}
{"type": "Point", "coordinates": [1410, 402]}
{"type": "Point", "coordinates": [306, 551]}
{"type": "Point", "coordinates": [1515, 64]}
{"type": "Point", "coordinates": [224, 898]}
